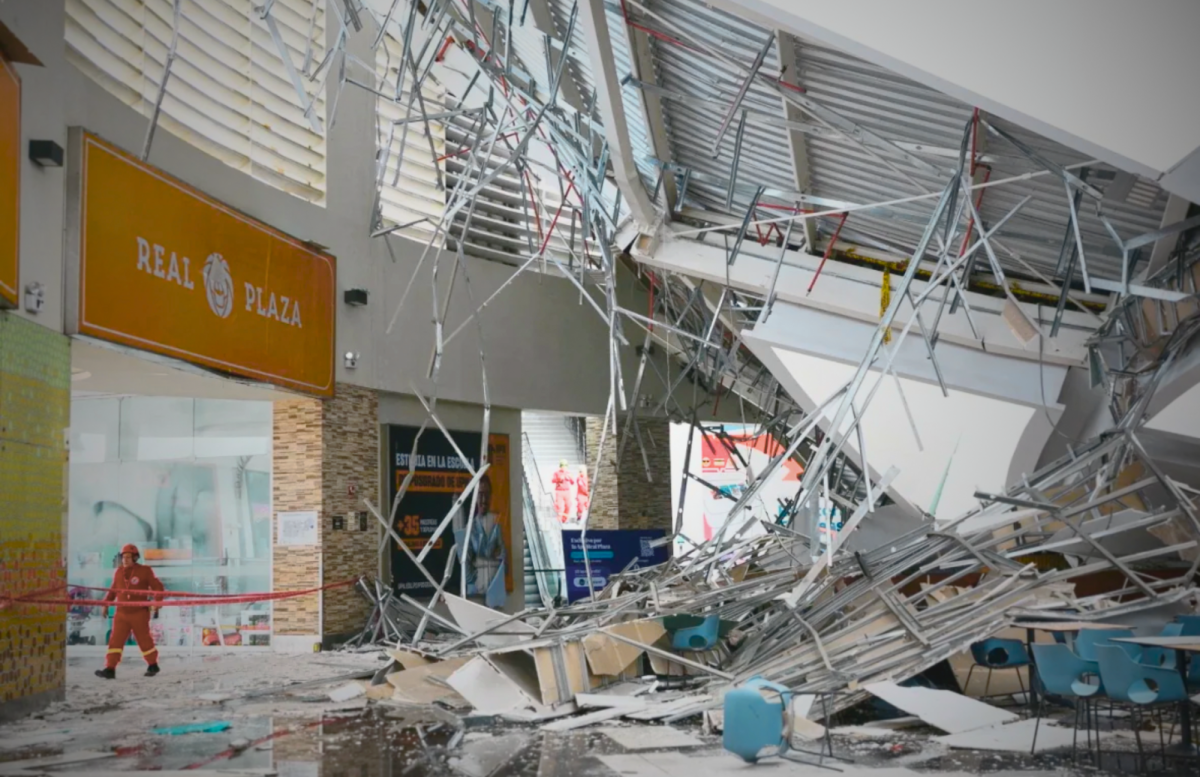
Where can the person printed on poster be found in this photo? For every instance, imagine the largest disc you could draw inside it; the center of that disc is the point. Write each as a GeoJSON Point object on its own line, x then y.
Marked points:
{"type": "Point", "coordinates": [485, 549]}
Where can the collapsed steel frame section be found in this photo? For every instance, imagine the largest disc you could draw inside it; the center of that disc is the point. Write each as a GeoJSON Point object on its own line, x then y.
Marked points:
{"type": "Point", "coordinates": [817, 622]}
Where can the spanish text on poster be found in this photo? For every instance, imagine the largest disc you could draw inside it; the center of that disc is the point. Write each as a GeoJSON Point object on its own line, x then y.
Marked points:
{"type": "Point", "coordinates": [440, 475]}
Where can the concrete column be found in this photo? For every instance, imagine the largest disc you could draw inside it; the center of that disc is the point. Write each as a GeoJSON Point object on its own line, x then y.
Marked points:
{"type": "Point", "coordinates": [35, 407]}
{"type": "Point", "coordinates": [326, 459]}
{"type": "Point", "coordinates": [622, 496]}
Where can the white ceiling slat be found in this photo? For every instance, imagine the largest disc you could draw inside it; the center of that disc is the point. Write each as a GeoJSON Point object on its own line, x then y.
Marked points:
{"type": "Point", "coordinates": [415, 194]}
{"type": "Point", "coordinates": [229, 93]}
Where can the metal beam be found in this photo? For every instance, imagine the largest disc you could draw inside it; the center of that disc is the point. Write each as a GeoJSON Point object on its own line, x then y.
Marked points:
{"type": "Point", "coordinates": [652, 106]}
{"type": "Point", "coordinates": [785, 44]}
{"type": "Point", "coordinates": [543, 19]}
{"type": "Point", "coordinates": [1176, 211]}
{"type": "Point", "coordinates": [612, 111]}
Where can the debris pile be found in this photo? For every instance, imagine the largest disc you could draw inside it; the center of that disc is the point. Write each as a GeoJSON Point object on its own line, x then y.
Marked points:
{"type": "Point", "coordinates": [835, 627]}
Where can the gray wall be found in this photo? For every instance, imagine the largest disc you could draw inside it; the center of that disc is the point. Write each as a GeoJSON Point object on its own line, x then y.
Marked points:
{"type": "Point", "coordinates": [545, 349]}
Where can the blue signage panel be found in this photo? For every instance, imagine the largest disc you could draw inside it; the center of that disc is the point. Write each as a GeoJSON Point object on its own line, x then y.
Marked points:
{"type": "Point", "coordinates": [608, 553]}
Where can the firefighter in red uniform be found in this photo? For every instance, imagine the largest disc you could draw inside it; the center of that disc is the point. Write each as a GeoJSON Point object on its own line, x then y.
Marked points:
{"type": "Point", "coordinates": [582, 494]}
{"type": "Point", "coordinates": [563, 484]}
{"type": "Point", "coordinates": [130, 577]}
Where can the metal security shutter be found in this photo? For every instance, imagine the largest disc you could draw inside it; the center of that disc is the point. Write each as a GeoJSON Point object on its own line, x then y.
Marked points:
{"type": "Point", "coordinates": [411, 193]}
{"type": "Point", "coordinates": [229, 92]}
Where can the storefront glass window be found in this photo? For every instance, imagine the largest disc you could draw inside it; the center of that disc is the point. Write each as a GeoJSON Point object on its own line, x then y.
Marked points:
{"type": "Point", "coordinates": [189, 482]}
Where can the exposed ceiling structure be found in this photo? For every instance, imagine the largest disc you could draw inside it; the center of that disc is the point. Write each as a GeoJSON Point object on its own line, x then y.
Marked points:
{"type": "Point", "coordinates": [582, 138]}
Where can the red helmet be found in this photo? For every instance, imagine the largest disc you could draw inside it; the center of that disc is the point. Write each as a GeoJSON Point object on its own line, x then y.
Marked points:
{"type": "Point", "coordinates": [131, 548]}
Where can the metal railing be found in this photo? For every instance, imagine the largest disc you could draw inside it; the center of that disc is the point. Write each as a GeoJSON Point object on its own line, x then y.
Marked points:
{"type": "Point", "coordinates": [547, 578]}
{"type": "Point", "coordinates": [546, 572]}
{"type": "Point", "coordinates": [578, 427]}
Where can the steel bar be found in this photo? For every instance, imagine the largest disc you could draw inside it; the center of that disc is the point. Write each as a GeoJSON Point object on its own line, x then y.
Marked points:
{"type": "Point", "coordinates": [400, 543]}
{"type": "Point", "coordinates": [466, 493]}
{"type": "Point", "coordinates": [818, 465]}
{"type": "Point", "coordinates": [765, 313]}
{"type": "Point", "coordinates": [741, 93]}
{"type": "Point", "coordinates": [166, 76]}
{"type": "Point", "coordinates": [1068, 177]}
{"type": "Point", "coordinates": [828, 252]}
{"type": "Point", "coordinates": [840, 207]}
{"type": "Point", "coordinates": [741, 234]}
{"type": "Point", "coordinates": [672, 657]}
{"type": "Point", "coordinates": [937, 369]}
{"type": "Point", "coordinates": [733, 163]}
{"type": "Point", "coordinates": [293, 74]}
{"type": "Point", "coordinates": [1074, 213]}
{"type": "Point", "coordinates": [637, 387]}
{"type": "Point", "coordinates": [466, 462]}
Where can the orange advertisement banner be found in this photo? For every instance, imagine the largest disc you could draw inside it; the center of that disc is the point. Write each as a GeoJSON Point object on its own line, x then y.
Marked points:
{"type": "Point", "coordinates": [165, 268]}
{"type": "Point", "coordinates": [10, 183]}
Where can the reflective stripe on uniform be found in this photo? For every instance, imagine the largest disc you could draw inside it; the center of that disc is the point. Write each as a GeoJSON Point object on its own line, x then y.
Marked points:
{"type": "Point", "coordinates": [116, 650]}
{"type": "Point", "coordinates": [148, 652]}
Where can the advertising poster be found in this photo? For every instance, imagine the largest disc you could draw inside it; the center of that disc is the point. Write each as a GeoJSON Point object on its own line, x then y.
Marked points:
{"type": "Point", "coordinates": [608, 553]}
{"type": "Point", "coordinates": [727, 457]}
{"type": "Point", "coordinates": [440, 476]}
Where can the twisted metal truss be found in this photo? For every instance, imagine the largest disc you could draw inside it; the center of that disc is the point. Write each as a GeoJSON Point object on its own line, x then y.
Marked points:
{"type": "Point", "coordinates": [810, 618]}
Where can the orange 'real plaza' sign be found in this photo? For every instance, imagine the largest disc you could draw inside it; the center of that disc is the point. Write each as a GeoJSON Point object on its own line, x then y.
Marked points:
{"type": "Point", "coordinates": [165, 268]}
{"type": "Point", "coordinates": [10, 183]}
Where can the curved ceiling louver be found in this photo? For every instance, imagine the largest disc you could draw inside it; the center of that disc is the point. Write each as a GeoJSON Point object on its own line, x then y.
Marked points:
{"type": "Point", "coordinates": [229, 93]}
{"type": "Point", "coordinates": [412, 193]}
{"type": "Point", "coordinates": [514, 212]}
{"type": "Point", "coordinates": [504, 221]}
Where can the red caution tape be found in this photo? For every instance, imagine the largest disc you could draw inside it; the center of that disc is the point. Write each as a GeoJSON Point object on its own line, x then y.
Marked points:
{"type": "Point", "coordinates": [163, 598]}
{"type": "Point", "coordinates": [144, 592]}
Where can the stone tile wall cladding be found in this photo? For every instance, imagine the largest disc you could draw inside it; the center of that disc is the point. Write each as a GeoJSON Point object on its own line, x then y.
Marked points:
{"type": "Point", "coordinates": [326, 458]}
{"type": "Point", "coordinates": [35, 411]}
{"type": "Point", "coordinates": [350, 473]}
{"type": "Point", "coordinates": [297, 452]}
{"type": "Point", "coordinates": [622, 498]}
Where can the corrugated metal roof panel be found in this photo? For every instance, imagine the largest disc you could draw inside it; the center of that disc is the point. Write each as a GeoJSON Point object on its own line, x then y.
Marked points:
{"type": "Point", "coordinates": [929, 124]}
{"type": "Point", "coordinates": [692, 127]}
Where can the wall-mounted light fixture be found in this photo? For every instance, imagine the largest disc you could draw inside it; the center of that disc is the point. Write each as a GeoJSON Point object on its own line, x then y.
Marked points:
{"type": "Point", "coordinates": [45, 153]}
{"type": "Point", "coordinates": [35, 297]}
{"type": "Point", "coordinates": [355, 297]}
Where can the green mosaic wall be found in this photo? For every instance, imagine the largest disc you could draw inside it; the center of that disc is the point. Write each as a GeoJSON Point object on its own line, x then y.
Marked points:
{"type": "Point", "coordinates": [35, 407]}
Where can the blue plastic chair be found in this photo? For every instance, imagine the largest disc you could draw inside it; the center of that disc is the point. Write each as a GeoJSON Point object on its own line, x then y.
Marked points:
{"type": "Point", "coordinates": [702, 637]}
{"type": "Point", "coordinates": [1164, 657]}
{"type": "Point", "coordinates": [754, 722]}
{"type": "Point", "coordinates": [1064, 674]}
{"type": "Point", "coordinates": [1089, 639]}
{"type": "Point", "coordinates": [1190, 624]}
{"type": "Point", "coordinates": [1138, 685]}
{"type": "Point", "coordinates": [996, 653]}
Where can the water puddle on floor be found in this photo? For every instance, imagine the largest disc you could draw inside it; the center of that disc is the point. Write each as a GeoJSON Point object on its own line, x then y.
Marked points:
{"type": "Point", "coordinates": [375, 744]}
{"type": "Point", "coordinates": [414, 742]}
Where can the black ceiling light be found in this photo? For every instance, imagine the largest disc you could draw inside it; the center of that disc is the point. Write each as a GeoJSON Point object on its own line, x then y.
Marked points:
{"type": "Point", "coordinates": [46, 153]}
